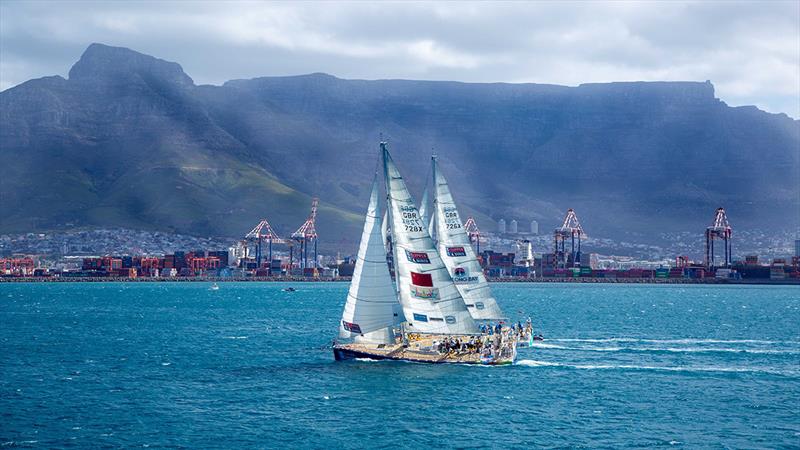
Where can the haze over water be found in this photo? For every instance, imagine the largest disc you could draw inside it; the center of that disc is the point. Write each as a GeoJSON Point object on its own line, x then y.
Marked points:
{"type": "Point", "coordinates": [167, 364]}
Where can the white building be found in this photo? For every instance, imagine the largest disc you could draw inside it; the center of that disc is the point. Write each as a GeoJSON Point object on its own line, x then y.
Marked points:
{"type": "Point", "coordinates": [525, 252]}
{"type": "Point", "coordinates": [501, 226]}
{"type": "Point", "coordinates": [534, 227]}
{"type": "Point", "coordinates": [236, 253]}
{"type": "Point", "coordinates": [512, 227]}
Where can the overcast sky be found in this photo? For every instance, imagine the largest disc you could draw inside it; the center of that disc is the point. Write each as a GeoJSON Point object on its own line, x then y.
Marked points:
{"type": "Point", "coordinates": [749, 50]}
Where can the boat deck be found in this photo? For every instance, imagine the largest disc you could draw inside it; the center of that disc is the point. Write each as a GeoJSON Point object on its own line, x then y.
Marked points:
{"type": "Point", "coordinates": [422, 349]}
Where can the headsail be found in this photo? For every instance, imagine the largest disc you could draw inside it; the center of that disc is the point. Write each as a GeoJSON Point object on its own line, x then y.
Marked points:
{"type": "Point", "coordinates": [431, 302]}
{"type": "Point", "coordinates": [369, 312]}
{"type": "Point", "coordinates": [456, 252]}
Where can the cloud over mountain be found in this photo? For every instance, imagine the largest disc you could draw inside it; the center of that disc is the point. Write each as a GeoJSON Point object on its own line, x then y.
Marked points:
{"type": "Point", "coordinates": [750, 50]}
{"type": "Point", "coordinates": [130, 140]}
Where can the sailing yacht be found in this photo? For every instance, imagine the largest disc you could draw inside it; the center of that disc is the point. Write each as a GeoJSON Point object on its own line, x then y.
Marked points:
{"type": "Point", "coordinates": [423, 316]}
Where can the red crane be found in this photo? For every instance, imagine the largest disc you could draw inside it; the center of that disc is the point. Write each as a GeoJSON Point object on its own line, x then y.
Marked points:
{"type": "Point", "coordinates": [307, 232]}
{"type": "Point", "coordinates": [473, 232]}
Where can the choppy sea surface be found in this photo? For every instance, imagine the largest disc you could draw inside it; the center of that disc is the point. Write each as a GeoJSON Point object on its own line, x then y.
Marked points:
{"type": "Point", "coordinates": [248, 365]}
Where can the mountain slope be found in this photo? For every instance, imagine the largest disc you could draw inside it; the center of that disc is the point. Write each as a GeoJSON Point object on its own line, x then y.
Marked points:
{"type": "Point", "coordinates": [130, 140]}
{"type": "Point", "coordinates": [125, 142]}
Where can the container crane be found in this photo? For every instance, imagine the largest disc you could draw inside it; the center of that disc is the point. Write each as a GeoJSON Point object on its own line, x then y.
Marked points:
{"type": "Point", "coordinates": [570, 229]}
{"type": "Point", "coordinates": [307, 232]}
{"type": "Point", "coordinates": [263, 232]}
{"type": "Point", "coordinates": [722, 230]}
{"type": "Point", "coordinates": [473, 232]}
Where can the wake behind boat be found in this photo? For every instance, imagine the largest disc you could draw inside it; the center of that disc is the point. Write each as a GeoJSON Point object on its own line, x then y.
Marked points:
{"type": "Point", "coordinates": [423, 317]}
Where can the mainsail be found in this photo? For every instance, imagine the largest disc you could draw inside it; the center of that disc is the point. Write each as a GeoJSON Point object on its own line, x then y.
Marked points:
{"type": "Point", "coordinates": [456, 252]}
{"type": "Point", "coordinates": [431, 302]}
{"type": "Point", "coordinates": [369, 312]}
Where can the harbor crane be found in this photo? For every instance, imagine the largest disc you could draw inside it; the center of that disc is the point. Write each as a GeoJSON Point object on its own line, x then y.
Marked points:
{"type": "Point", "coordinates": [306, 233]}
{"type": "Point", "coordinates": [263, 232]}
{"type": "Point", "coordinates": [474, 233]}
{"type": "Point", "coordinates": [571, 229]}
{"type": "Point", "coordinates": [721, 230]}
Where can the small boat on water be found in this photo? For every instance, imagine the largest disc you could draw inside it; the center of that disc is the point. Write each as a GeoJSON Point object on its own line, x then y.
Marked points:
{"type": "Point", "coordinates": [289, 289]}
{"type": "Point", "coordinates": [424, 317]}
{"type": "Point", "coordinates": [214, 287]}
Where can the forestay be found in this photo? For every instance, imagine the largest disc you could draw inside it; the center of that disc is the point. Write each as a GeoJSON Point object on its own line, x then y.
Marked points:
{"type": "Point", "coordinates": [457, 253]}
{"type": "Point", "coordinates": [431, 302]}
{"type": "Point", "coordinates": [369, 312]}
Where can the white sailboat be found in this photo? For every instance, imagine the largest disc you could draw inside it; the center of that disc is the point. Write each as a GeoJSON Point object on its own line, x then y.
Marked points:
{"type": "Point", "coordinates": [431, 302]}
{"type": "Point", "coordinates": [456, 251]}
{"type": "Point", "coordinates": [437, 326]}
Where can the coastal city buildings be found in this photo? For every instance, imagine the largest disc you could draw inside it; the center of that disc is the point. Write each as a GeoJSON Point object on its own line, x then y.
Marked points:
{"type": "Point", "coordinates": [521, 255]}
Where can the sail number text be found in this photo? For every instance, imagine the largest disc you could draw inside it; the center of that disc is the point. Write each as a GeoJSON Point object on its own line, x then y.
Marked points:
{"type": "Point", "coordinates": [451, 220]}
{"type": "Point", "coordinates": [411, 220]}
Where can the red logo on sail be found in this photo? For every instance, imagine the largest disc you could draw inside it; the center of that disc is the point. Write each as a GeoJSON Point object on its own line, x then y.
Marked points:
{"type": "Point", "coordinates": [421, 279]}
{"type": "Point", "coordinates": [456, 251]}
{"type": "Point", "coordinates": [418, 257]}
{"type": "Point", "coordinates": [351, 327]}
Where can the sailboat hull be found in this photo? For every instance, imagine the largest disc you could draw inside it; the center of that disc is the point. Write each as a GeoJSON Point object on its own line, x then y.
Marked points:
{"type": "Point", "coordinates": [344, 352]}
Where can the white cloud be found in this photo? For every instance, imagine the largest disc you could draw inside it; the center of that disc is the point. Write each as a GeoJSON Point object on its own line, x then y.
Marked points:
{"type": "Point", "coordinates": [750, 50]}
{"type": "Point", "coordinates": [433, 54]}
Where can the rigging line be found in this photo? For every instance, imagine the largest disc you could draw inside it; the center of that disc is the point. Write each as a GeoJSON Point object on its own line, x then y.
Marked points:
{"type": "Point", "coordinates": [377, 164]}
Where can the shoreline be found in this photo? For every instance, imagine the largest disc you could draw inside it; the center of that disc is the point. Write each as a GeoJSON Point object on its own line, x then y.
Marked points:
{"type": "Point", "coordinates": [584, 280]}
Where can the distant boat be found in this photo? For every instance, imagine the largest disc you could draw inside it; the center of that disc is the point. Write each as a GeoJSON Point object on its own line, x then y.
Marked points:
{"type": "Point", "coordinates": [289, 289]}
{"type": "Point", "coordinates": [425, 319]}
{"type": "Point", "coordinates": [214, 287]}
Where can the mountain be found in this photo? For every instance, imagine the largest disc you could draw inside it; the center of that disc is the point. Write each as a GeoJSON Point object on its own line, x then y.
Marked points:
{"type": "Point", "coordinates": [130, 140]}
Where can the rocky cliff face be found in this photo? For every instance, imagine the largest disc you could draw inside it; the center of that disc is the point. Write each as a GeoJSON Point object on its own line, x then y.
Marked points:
{"type": "Point", "coordinates": [129, 140]}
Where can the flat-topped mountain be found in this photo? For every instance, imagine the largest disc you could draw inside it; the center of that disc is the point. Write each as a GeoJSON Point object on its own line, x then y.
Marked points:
{"type": "Point", "coordinates": [129, 140]}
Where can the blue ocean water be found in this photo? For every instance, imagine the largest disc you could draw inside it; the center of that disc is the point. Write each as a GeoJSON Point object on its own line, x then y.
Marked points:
{"type": "Point", "coordinates": [176, 364]}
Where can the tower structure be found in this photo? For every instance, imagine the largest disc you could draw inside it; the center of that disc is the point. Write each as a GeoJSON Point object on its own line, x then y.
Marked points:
{"type": "Point", "coordinates": [534, 227]}
{"type": "Point", "coordinates": [307, 233]}
{"type": "Point", "coordinates": [569, 230]}
{"type": "Point", "coordinates": [262, 232]}
{"type": "Point", "coordinates": [720, 230]}
{"type": "Point", "coordinates": [474, 233]}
